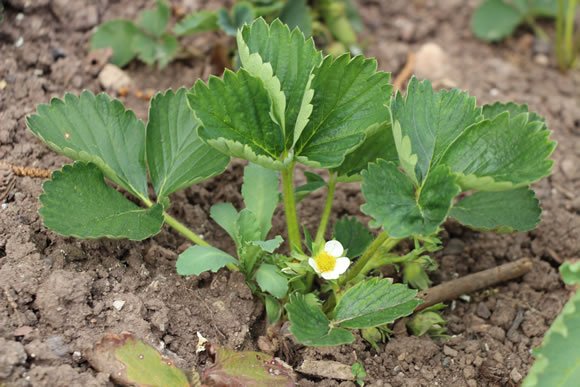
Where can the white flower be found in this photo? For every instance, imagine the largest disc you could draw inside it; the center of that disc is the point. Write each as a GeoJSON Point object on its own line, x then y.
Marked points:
{"type": "Point", "coordinates": [329, 263]}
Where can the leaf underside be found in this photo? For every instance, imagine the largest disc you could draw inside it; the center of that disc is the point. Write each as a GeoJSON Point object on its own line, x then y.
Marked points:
{"type": "Point", "coordinates": [197, 259]}
{"type": "Point", "coordinates": [77, 202]}
{"type": "Point", "coordinates": [260, 192]}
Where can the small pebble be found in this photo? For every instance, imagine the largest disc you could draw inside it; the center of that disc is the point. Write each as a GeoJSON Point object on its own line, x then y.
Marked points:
{"type": "Point", "coordinates": [515, 376]}
{"type": "Point", "coordinates": [19, 42]}
{"type": "Point", "coordinates": [541, 59]}
{"type": "Point", "coordinates": [118, 304]}
{"type": "Point", "coordinates": [449, 351]}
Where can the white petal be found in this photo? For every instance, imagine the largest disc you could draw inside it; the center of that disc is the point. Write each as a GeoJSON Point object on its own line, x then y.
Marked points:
{"type": "Point", "coordinates": [330, 275]}
{"type": "Point", "coordinates": [312, 263]}
{"type": "Point", "coordinates": [341, 265]}
{"type": "Point", "coordinates": [334, 248]}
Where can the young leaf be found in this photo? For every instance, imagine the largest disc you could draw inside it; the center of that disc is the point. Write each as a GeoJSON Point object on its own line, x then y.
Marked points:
{"type": "Point", "coordinates": [118, 35]}
{"type": "Point", "coordinates": [273, 309]}
{"type": "Point", "coordinates": [99, 130]}
{"type": "Point", "coordinates": [350, 96]}
{"type": "Point", "coordinates": [495, 20]}
{"type": "Point", "coordinates": [506, 211]}
{"type": "Point", "coordinates": [407, 159]}
{"type": "Point", "coordinates": [77, 202]}
{"type": "Point", "coordinates": [260, 192]}
{"type": "Point", "coordinates": [270, 245]}
{"type": "Point", "coordinates": [226, 216]}
{"type": "Point", "coordinates": [570, 272]}
{"type": "Point", "coordinates": [432, 121]}
{"type": "Point", "coordinates": [374, 302]}
{"type": "Point", "coordinates": [197, 22]}
{"type": "Point", "coordinates": [292, 59]}
{"type": "Point", "coordinates": [235, 118]}
{"type": "Point", "coordinates": [395, 203]}
{"type": "Point", "coordinates": [197, 259]}
{"type": "Point", "coordinates": [297, 14]}
{"type": "Point", "coordinates": [353, 235]}
{"type": "Point", "coordinates": [154, 21]}
{"type": "Point", "coordinates": [557, 359]}
{"type": "Point", "coordinates": [161, 50]}
{"type": "Point", "coordinates": [131, 362]}
{"type": "Point", "coordinates": [310, 326]}
{"type": "Point", "coordinates": [247, 227]}
{"type": "Point", "coordinates": [176, 156]}
{"type": "Point", "coordinates": [271, 280]}
{"type": "Point", "coordinates": [499, 154]}
{"type": "Point", "coordinates": [242, 13]}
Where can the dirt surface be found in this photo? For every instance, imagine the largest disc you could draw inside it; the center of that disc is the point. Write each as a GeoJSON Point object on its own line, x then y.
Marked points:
{"type": "Point", "coordinates": [57, 294]}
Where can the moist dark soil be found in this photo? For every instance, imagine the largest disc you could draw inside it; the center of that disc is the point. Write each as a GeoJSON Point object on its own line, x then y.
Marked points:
{"type": "Point", "coordinates": [57, 294]}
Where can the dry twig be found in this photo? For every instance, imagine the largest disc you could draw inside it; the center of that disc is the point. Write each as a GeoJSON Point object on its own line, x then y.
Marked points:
{"type": "Point", "coordinates": [405, 73]}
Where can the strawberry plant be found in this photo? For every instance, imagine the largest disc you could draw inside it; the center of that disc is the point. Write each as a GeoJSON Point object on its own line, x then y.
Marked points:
{"type": "Point", "coordinates": [151, 40]}
{"type": "Point", "coordinates": [421, 157]}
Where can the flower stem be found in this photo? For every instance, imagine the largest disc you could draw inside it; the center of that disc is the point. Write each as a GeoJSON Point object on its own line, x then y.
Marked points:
{"type": "Point", "coordinates": [382, 244]}
{"type": "Point", "coordinates": [178, 226]}
{"type": "Point", "coordinates": [289, 199]}
{"type": "Point", "coordinates": [327, 209]}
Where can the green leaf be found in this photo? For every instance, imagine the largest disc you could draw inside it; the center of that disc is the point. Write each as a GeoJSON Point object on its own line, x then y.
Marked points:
{"type": "Point", "coordinates": [96, 129]}
{"type": "Point", "coordinates": [197, 259]}
{"type": "Point", "coordinates": [154, 21]}
{"type": "Point", "coordinates": [374, 302]}
{"type": "Point", "coordinates": [506, 211]}
{"type": "Point", "coordinates": [271, 280]}
{"type": "Point", "coordinates": [260, 192]}
{"type": "Point", "coordinates": [196, 22]}
{"type": "Point", "coordinates": [77, 202]}
{"type": "Point", "coordinates": [570, 272]}
{"type": "Point", "coordinates": [270, 245]}
{"type": "Point", "coordinates": [495, 20]}
{"type": "Point", "coordinates": [161, 50]}
{"type": "Point", "coordinates": [296, 14]}
{"type": "Point", "coordinates": [350, 96]}
{"type": "Point", "coordinates": [407, 159]}
{"type": "Point", "coordinates": [176, 156]}
{"type": "Point", "coordinates": [273, 309]}
{"type": "Point", "coordinates": [313, 182]}
{"type": "Point", "coordinates": [491, 111]}
{"type": "Point", "coordinates": [310, 326]}
{"type": "Point", "coordinates": [432, 121]}
{"type": "Point", "coordinates": [226, 216]}
{"type": "Point", "coordinates": [557, 359]}
{"type": "Point", "coordinates": [292, 59]}
{"type": "Point", "coordinates": [499, 154]}
{"type": "Point", "coordinates": [242, 13]}
{"type": "Point", "coordinates": [118, 35]}
{"type": "Point", "coordinates": [247, 227]}
{"type": "Point", "coordinates": [131, 362]}
{"type": "Point", "coordinates": [395, 203]}
{"type": "Point", "coordinates": [353, 235]}
{"type": "Point", "coordinates": [235, 118]}
{"type": "Point", "coordinates": [378, 144]}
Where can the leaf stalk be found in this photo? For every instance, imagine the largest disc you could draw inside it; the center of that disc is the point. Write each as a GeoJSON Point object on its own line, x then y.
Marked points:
{"type": "Point", "coordinates": [289, 200]}
{"type": "Point", "coordinates": [327, 210]}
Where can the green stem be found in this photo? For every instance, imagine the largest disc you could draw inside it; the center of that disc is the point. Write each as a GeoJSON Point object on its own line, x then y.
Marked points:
{"type": "Point", "coordinates": [327, 209]}
{"type": "Point", "coordinates": [178, 226]}
{"type": "Point", "coordinates": [289, 199]}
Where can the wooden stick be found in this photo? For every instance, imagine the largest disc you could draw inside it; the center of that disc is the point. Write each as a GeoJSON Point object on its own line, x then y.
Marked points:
{"type": "Point", "coordinates": [473, 282]}
{"type": "Point", "coordinates": [405, 73]}
{"type": "Point", "coordinates": [27, 171]}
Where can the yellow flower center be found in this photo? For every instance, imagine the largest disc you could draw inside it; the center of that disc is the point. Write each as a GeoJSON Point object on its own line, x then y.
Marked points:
{"type": "Point", "coordinates": [325, 262]}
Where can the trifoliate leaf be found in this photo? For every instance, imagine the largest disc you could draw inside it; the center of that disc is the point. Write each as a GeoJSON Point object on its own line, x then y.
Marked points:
{"type": "Point", "coordinates": [161, 50]}
{"type": "Point", "coordinates": [378, 144]}
{"type": "Point", "coordinates": [197, 259]}
{"type": "Point", "coordinates": [495, 20]}
{"type": "Point", "coordinates": [297, 14]}
{"type": "Point", "coordinates": [260, 192]}
{"type": "Point", "coordinates": [350, 96]}
{"type": "Point", "coordinates": [154, 21]}
{"type": "Point", "coordinates": [292, 59]}
{"type": "Point", "coordinates": [242, 13]}
{"type": "Point", "coordinates": [432, 121]}
{"type": "Point", "coordinates": [77, 202]}
{"type": "Point", "coordinates": [310, 326]}
{"type": "Point", "coordinates": [271, 280]}
{"type": "Point", "coordinates": [235, 118]}
{"type": "Point", "coordinates": [500, 154]}
{"type": "Point", "coordinates": [197, 22]}
{"type": "Point", "coordinates": [402, 209]}
{"type": "Point", "coordinates": [176, 156]}
{"type": "Point", "coordinates": [96, 129]}
{"type": "Point", "coordinates": [506, 211]}
{"type": "Point", "coordinates": [374, 302]}
{"type": "Point", "coordinates": [226, 216]}
{"type": "Point", "coordinates": [353, 235]}
{"type": "Point", "coordinates": [570, 272]}
{"type": "Point", "coordinates": [557, 359]}
{"type": "Point", "coordinates": [118, 35]}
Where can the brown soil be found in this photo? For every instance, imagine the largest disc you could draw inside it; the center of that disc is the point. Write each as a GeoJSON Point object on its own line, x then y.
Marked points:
{"type": "Point", "coordinates": [57, 294]}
